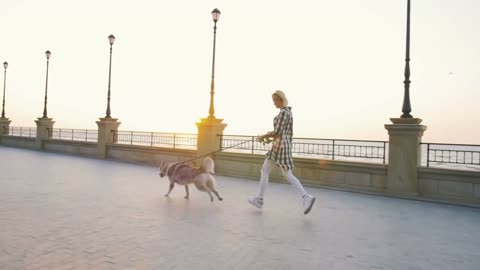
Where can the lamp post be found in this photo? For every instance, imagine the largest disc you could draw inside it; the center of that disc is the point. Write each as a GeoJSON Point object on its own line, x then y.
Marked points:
{"type": "Point", "coordinates": [111, 40]}
{"type": "Point", "coordinates": [47, 54]}
{"type": "Point", "coordinates": [210, 129]}
{"type": "Point", "coordinates": [5, 65]}
{"type": "Point", "coordinates": [215, 17]}
{"type": "Point", "coordinates": [107, 126]}
{"type": "Point", "coordinates": [406, 108]}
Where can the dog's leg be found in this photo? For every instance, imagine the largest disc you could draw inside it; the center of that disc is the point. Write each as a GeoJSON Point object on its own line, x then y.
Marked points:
{"type": "Point", "coordinates": [204, 187]}
{"type": "Point", "coordinates": [170, 190]}
{"type": "Point", "coordinates": [210, 194]}
{"type": "Point", "coordinates": [186, 190]}
{"type": "Point", "coordinates": [207, 189]}
{"type": "Point", "coordinates": [211, 186]}
{"type": "Point", "coordinates": [218, 195]}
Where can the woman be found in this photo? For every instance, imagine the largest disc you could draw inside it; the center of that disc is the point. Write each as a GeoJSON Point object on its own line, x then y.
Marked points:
{"type": "Point", "coordinates": [281, 153]}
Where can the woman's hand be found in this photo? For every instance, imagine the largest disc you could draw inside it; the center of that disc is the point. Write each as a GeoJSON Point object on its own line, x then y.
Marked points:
{"type": "Point", "coordinates": [265, 139]}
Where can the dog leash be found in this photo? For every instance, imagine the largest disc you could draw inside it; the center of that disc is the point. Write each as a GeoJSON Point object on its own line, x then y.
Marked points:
{"type": "Point", "coordinates": [214, 152]}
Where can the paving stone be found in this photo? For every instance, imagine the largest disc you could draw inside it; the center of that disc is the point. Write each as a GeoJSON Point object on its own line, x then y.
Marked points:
{"type": "Point", "coordinates": [63, 212]}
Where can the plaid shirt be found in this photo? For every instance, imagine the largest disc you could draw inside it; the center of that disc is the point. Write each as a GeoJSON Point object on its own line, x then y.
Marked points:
{"type": "Point", "coordinates": [281, 151]}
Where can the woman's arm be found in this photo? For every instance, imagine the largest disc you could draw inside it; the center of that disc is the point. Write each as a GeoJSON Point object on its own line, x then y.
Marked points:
{"type": "Point", "coordinates": [280, 126]}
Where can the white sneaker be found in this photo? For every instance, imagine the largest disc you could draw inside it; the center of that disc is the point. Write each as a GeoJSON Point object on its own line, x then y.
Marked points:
{"type": "Point", "coordinates": [256, 201]}
{"type": "Point", "coordinates": [308, 201]}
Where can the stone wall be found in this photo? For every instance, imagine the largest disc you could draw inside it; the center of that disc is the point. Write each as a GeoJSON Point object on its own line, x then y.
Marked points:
{"type": "Point", "coordinates": [311, 172]}
{"type": "Point", "coordinates": [147, 155]}
{"type": "Point", "coordinates": [71, 147]}
{"type": "Point", "coordinates": [18, 141]}
{"type": "Point", "coordinates": [450, 185]}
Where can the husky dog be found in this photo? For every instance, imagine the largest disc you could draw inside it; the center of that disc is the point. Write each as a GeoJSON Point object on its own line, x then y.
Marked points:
{"type": "Point", "coordinates": [184, 174]}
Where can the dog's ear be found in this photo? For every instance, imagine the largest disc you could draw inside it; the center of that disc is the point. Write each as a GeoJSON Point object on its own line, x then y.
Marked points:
{"type": "Point", "coordinates": [161, 164]}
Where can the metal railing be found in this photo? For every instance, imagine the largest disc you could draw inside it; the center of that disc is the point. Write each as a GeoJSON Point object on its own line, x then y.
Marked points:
{"type": "Point", "coordinates": [86, 135]}
{"type": "Point", "coordinates": [159, 139]}
{"type": "Point", "coordinates": [452, 155]}
{"type": "Point", "coordinates": [459, 156]}
{"type": "Point", "coordinates": [334, 149]}
{"type": "Point", "coordinates": [30, 132]}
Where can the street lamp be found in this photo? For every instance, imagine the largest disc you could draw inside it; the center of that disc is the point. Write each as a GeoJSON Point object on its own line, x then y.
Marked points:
{"type": "Point", "coordinates": [48, 54]}
{"type": "Point", "coordinates": [111, 40]}
{"type": "Point", "coordinates": [5, 65]}
{"type": "Point", "coordinates": [406, 108]}
{"type": "Point", "coordinates": [215, 17]}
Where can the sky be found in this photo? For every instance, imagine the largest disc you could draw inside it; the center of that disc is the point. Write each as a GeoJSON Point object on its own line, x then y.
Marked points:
{"type": "Point", "coordinates": [340, 63]}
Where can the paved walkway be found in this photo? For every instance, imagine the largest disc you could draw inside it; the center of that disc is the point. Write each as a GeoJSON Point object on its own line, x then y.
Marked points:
{"type": "Point", "coordinates": [65, 212]}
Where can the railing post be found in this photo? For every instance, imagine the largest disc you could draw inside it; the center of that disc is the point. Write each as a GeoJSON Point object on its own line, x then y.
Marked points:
{"type": "Point", "coordinates": [428, 154]}
{"type": "Point", "coordinates": [333, 150]}
{"type": "Point", "coordinates": [253, 144]}
{"type": "Point", "coordinates": [72, 134]}
{"type": "Point", "coordinates": [151, 140]}
{"type": "Point", "coordinates": [86, 135]}
{"type": "Point", "coordinates": [131, 137]}
{"type": "Point", "coordinates": [207, 138]}
{"type": "Point", "coordinates": [404, 156]}
{"type": "Point", "coordinates": [106, 128]}
{"type": "Point", "coordinates": [384, 151]}
{"type": "Point", "coordinates": [43, 133]}
{"type": "Point", "coordinates": [174, 139]}
{"type": "Point", "coordinates": [4, 125]}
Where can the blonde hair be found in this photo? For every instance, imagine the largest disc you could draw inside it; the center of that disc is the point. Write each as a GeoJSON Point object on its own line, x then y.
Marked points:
{"type": "Point", "coordinates": [282, 96]}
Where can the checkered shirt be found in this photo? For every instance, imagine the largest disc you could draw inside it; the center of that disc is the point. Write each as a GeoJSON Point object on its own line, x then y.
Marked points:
{"type": "Point", "coordinates": [281, 151]}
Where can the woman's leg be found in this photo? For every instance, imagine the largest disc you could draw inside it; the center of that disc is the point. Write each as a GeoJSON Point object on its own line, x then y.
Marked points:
{"type": "Point", "coordinates": [264, 174]}
{"type": "Point", "coordinates": [295, 182]}
{"type": "Point", "coordinates": [308, 200]}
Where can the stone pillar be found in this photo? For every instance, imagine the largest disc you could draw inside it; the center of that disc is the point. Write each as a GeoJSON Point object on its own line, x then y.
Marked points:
{"type": "Point", "coordinates": [44, 130]}
{"type": "Point", "coordinates": [106, 128]}
{"type": "Point", "coordinates": [404, 155]}
{"type": "Point", "coordinates": [208, 140]}
{"type": "Point", "coordinates": [4, 125]}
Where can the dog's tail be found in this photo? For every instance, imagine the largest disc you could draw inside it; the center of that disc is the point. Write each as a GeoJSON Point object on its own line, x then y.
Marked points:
{"type": "Point", "coordinates": [208, 165]}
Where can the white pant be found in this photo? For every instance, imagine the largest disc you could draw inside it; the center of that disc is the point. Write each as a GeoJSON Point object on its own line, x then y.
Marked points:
{"type": "Point", "coordinates": [265, 173]}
